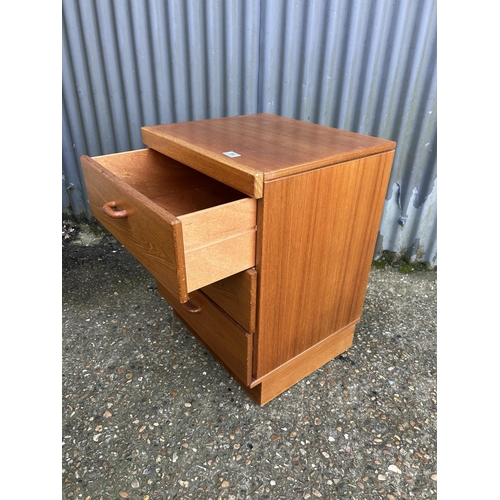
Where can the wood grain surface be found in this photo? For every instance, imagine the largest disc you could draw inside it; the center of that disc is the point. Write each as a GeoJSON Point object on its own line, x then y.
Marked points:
{"type": "Point", "coordinates": [152, 235]}
{"type": "Point", "coordinates": [317, 233]}
{"type": "Point", "coordinates": [199, 246]}
{"type": "Point", "coordinates": [237, 295]}
{"type": "Point", "coordinates": [221, 334]}
{"type": "Point", "coordinates": [299, 367]}
{"type": "Point", "coordinates": [298, 208]}
{"type": "Point", "coordinates": [211, 263]}
{"type": "Point", "coordinates": [217, 165]}
{"type": "Point", "coordinates": [269, 146]}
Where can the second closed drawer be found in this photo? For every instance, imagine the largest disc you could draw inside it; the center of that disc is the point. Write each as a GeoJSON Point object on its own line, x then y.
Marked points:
{"type": "Point", "coordinates": [237, 296]}
{"type": "Point", "coordinates": [226, 340]}
{"type": "Point", "coordinates": [186, 228]}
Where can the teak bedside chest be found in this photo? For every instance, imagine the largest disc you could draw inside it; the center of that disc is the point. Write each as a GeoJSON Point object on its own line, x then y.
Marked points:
{"type": "Point", "coordinates": [260, 231]}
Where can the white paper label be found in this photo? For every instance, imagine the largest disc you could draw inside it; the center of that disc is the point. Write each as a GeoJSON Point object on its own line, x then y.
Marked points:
{"type": "Point", "coordinates": [231, 154]}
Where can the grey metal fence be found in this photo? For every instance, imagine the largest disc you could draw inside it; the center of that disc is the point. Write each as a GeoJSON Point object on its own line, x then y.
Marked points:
{"type": "Point", "coordinates": [368, 66]}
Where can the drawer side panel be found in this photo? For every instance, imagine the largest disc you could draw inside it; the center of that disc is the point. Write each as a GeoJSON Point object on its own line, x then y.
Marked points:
{"type": "Point", "coordinates": [150, 234]}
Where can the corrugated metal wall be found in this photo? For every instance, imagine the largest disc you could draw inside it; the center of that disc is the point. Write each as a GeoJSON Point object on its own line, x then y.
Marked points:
{"type": "Point", "coordinates": [368, 66]}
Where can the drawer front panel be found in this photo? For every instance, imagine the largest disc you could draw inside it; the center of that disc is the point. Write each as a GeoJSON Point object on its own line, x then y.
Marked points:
{"type": "Point", "coordinates": [236, 295]}
{"type": "Point", "coordinates": [227, 341]}
{"type": "Point", "coordinates": [149, 233]}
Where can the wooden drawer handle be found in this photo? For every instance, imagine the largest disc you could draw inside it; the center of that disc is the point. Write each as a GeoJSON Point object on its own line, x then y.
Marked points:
{"type": "Point", "coordinates": [109, 208]}
{"type": "Point", "coordinates": [193, 307]}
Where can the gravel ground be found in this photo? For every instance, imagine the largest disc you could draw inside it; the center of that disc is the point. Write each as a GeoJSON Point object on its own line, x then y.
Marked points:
{"type": "Point", "coordinates": [148, 414]}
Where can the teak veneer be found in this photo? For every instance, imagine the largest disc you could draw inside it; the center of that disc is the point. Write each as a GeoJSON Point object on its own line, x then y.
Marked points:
{"type": "Point", "coordinates": [260, 231]}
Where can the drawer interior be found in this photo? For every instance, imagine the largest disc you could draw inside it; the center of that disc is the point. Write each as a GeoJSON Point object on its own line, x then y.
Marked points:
{"type": "Point", "coordinates": [170, 184]}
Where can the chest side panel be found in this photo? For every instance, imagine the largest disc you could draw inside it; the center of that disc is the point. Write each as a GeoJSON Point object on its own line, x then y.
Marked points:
{"type": "Point", "coordinates": [317, 234]}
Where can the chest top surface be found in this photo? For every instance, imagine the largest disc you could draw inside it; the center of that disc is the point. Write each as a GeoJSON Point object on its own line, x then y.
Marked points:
{"type": "Point", "coordinates": [268, 146]}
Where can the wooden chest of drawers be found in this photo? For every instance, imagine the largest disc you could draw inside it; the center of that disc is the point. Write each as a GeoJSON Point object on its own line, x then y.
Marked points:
{"type": "Point", "coordinates": [259, 230]}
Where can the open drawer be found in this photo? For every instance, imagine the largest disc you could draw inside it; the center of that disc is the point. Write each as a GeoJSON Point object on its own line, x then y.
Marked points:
{"type": "Point", "coordinates": [187, 229]}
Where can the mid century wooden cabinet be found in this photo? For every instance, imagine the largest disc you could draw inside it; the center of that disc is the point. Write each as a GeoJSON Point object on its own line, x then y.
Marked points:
{"type": "Point", "coordinates": [260, 231]}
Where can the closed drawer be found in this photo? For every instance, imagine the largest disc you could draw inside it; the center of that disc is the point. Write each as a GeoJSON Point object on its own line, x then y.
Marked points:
{"type": "Point", "coordinates": [225, 339]}
{"type": "Point", "coordinates": [186, 228]}
{"type": "Point", "coordinates": [237, 296]}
